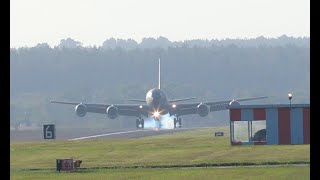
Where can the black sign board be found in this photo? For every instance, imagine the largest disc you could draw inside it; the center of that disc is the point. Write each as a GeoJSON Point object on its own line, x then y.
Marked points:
{"type": "Point", "coordinates": [49, 131]}
{"type": "Point", "coordinates": [218, 134]}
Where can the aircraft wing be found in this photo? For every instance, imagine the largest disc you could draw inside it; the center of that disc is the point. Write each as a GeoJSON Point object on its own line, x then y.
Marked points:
{"type": "Point", "coordinates": [191, 108]}
{"type": "Point", "coordinates": [123, 109]}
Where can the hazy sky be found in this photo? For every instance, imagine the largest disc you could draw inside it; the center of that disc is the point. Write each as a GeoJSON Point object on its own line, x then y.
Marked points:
{"type": "Point", "coordinates": [93, 21]}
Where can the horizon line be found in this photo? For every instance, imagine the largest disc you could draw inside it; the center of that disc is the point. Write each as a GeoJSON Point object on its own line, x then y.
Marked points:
{"type": "Point", "coordinates": [150, 37]}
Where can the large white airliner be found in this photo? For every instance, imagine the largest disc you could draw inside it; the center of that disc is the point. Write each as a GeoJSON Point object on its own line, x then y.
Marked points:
{"type": "Point", "coordinates": [155, 105]}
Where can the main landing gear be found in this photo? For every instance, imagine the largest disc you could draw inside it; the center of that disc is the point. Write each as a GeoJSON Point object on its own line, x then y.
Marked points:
{"type": "Point", "coordinates": [140, 123]}
{"type": "Point", "coordinates": [177, 122]}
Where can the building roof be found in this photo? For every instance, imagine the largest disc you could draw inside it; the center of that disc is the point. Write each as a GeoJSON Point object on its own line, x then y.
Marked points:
{"type": "Point", "coordinates": [268, 106]}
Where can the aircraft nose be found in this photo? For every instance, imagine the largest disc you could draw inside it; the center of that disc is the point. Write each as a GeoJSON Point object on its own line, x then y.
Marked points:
{"type": "Point", "coordinates": [156, 95]}
{"type": "Point", "coordinates": [156, 98]}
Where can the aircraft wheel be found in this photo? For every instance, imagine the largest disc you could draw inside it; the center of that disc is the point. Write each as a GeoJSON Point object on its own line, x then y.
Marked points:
{"type": "Point", "coordinates": [180, 122]}
{"type": "Point", "coordinates": [175, 122]}
{"type": "Point", "coordinates": [140, 123]}
{"type": "Point", "coordinates": [137, 123]}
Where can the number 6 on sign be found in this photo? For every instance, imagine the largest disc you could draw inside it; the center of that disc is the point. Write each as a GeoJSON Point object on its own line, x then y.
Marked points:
{"type": "Point", "coordinates": [49, 131]}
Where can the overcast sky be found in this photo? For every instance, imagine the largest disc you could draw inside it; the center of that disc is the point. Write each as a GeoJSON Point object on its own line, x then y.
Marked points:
{"type": "Point", "coordinates": [93, 21]}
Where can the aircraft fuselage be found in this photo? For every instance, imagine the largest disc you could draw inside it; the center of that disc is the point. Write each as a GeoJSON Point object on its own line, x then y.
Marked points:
{"type": "Point", "coordinates": [157, 102]}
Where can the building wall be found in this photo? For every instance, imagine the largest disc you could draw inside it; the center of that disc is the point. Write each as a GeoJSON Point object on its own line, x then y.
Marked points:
{"type": "Point", "coordinates": [284, 124]}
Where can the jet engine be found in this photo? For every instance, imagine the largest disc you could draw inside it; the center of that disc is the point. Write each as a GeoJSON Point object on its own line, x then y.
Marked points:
{"type": "Point", "coordinates": [81, 110]}
{"type": "Point", "coordinates": [203, 110]}
{"type": "Point", "coordinates": [234, 103]}
{"type": "Point", "coordinates": [112, 112]}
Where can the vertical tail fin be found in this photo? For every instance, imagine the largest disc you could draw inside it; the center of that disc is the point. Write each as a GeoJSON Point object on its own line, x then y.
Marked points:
{"type": "Point", "coordinates": [159, 85]}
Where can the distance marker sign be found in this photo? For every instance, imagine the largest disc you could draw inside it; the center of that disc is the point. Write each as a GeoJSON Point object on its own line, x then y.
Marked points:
{"type": "Point", "coordinates": [49, 131]}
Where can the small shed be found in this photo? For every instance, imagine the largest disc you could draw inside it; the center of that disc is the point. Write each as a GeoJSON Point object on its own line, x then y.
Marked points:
{"type": "Point", "coordinates": [269, 124]}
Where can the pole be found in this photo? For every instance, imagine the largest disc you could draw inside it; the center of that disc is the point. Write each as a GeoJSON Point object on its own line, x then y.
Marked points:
{"type": "Point", "coordinates": [290, 103]}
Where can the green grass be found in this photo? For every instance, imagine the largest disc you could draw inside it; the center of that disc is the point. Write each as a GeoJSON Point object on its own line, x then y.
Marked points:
{"type": "Point", "coordinates": [194, 147]}
{"type": "Point", "coordinates": [284, 172]}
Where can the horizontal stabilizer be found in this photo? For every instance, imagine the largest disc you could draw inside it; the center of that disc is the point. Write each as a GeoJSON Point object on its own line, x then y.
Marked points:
{"type": "Point", "coordinates": [183, 99]}
{"type": "Point", "coordinates": [137, 100]}
{"type": "Point", "coordinates": [63, 102]}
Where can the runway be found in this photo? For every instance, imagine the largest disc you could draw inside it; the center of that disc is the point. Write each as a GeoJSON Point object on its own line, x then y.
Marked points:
{"type": "Point", "coordinates": [89, 133]}
{"type": "Point", "coordinates": [129, 134]}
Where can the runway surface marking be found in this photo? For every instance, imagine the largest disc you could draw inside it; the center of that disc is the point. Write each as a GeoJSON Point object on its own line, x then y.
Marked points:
{"type": "Point", "coordinates": [125, 132]}
{"type": "Point", "coordinates": [109, 134]}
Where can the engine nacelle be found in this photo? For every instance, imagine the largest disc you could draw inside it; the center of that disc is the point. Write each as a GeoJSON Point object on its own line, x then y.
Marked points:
{"type": "Point", "coordinates": [81, 110]}
{"type": "Point", "coordinates": [112, 112]}
{"type": "Point", "coordinates": [203, 110]}
{"type": "Point", "coordinates": [234, 103]}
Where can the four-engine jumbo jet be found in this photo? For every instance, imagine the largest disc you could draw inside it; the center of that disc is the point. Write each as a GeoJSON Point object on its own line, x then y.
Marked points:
{"type": "Point", "coordinates": [155, 105]}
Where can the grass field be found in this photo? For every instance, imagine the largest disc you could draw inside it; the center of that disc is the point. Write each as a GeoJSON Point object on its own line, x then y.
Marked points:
{"type": "Point", "coordinates": [36, 160]}
{"type": "Point", "coordinates": [290, 173]}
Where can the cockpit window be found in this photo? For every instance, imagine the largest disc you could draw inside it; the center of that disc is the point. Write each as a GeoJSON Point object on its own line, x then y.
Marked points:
{"type": "Point", "coordinates": [156, 95]}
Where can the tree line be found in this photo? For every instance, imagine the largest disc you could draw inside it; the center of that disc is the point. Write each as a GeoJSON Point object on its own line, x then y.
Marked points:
{"type": "Point", "coordinates": [124, 69]}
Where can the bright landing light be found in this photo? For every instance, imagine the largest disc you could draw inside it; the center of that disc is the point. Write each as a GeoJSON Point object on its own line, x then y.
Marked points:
{"type": "Point", "coordinates": [156, 114]}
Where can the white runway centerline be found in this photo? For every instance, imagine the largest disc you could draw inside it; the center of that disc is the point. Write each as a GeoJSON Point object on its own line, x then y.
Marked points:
{"type": "Point", "coordinates": [109, 134]}
{"type": "Point", "coordinates": [126, 132]}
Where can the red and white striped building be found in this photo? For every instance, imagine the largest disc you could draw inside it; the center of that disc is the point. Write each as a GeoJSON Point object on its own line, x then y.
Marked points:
{"type": "Point", "coordinates": [270, 124]}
